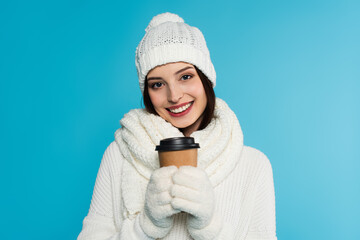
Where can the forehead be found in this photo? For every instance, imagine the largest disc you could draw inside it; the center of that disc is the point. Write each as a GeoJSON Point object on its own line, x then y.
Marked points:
{"type": "Point", "coordinates": [169, 68]}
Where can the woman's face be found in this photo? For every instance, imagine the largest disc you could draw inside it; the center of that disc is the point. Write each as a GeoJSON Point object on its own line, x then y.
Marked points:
{"type": "Point", "coordinates": [178, 95]}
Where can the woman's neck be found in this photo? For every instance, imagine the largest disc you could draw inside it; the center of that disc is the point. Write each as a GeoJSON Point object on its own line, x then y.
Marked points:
{"type": "Point", "coordinates": [192, 128]}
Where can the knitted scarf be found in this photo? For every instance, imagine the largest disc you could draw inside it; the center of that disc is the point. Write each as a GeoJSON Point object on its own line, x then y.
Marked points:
{"type": "Point", "coordinates": [221, 143]}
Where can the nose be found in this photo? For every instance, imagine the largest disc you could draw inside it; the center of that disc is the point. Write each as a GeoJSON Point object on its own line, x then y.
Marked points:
{"type": "Point", "coordinates": [175, 93]}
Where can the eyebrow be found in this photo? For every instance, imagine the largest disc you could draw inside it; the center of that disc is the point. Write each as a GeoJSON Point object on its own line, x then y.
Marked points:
{"type": "Point", "coordinates": [181, 70]}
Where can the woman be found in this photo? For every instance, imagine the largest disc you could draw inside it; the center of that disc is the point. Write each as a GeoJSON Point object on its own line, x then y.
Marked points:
{"type": "Point", "coordinates": [230, 195]}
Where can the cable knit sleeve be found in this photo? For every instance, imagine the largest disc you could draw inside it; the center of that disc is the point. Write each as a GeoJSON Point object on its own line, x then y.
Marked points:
{"type": "Point", "coordinates": [100, 224]}
{"type": "Point", "coordinates": [263, 224]}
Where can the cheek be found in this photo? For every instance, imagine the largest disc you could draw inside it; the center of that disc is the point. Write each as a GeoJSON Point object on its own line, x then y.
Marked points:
{"type": "Point", "coordinates": [155, 99]}
{"type": "Point", "coordinates": [198, 91]}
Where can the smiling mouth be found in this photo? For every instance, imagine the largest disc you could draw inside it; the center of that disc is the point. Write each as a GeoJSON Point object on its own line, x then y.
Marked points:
{"type": "Point", "coordinates": [180, 109]}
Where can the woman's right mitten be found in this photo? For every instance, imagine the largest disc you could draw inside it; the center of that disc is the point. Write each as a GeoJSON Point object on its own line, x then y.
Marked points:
{"type": "Point", "coordinates": [157, 218]}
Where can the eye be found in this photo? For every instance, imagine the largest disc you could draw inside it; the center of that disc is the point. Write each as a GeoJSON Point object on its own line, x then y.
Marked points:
{"type": "Point", "coordinates": [156, 85]}
{"type": "Point", "coordinates": [186, 77]}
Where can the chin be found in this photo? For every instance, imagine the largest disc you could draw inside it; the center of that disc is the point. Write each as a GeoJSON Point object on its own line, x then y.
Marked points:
{"type": "Point", "coordinates": [181, 125]}
{"type": "Point", "coordinates": [184, 124]}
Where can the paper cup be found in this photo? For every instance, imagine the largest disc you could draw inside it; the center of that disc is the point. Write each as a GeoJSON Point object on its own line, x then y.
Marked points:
{"type": "Point", "coordinates": [180, 151]}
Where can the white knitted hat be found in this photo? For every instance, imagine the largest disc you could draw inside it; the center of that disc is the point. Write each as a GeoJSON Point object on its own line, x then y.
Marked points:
{"type": "Point", "coordinates": [168, 39]}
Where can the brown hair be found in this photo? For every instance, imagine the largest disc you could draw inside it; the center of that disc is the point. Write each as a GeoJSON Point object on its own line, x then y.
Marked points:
{"type": "Point", "coordinates": [210, 97]}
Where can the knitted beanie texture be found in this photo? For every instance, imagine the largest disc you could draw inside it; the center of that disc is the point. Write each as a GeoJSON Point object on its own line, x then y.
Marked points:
{"type": "Point", "coordinates": [169, 39]}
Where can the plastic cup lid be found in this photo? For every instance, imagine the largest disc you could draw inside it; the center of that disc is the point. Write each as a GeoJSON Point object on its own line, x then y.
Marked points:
{"type": "Point", "coordinates": [176, 144]}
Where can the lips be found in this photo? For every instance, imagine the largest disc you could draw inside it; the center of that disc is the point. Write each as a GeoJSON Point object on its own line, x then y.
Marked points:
{"type": "Point", "coordinates": [180, 110]}
{"type": "Point", "coordinates": [178, 106]}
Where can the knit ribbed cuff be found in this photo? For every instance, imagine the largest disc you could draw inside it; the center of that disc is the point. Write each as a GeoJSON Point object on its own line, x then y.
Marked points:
{"type": "Point", "coordinates": [268, 235]}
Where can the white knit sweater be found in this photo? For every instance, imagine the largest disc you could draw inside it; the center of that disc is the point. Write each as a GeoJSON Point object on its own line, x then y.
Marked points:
{"type": "Point", "coordinates": [244, 195]}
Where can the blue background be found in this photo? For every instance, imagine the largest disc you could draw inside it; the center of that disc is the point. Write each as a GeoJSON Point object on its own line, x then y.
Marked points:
{"type": "Point", "coordinates": [289, 69]}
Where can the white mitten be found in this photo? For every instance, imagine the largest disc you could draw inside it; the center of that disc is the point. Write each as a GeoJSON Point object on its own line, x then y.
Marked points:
{"type": "Point", "coordinates": [193, 193]}
{"type": "Point", "coordinates": [157, 218]}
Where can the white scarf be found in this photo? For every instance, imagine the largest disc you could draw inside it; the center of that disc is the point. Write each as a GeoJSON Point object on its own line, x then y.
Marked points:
{"type": "Point", "coordinates": [221, 143]}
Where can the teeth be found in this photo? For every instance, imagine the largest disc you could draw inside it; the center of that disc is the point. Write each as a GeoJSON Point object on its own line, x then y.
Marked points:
{"type": "Point", "coordinates": [180, 109]}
